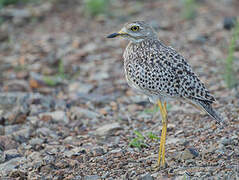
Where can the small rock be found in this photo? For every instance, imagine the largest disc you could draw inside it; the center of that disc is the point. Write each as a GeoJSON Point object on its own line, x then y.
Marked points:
{"type": "Point", "coordinates": [103, 112]}
{"type": "Point", "coordinates": [46, 132]}
{"type": "Point", "coordinates": [16, 85]}
{"type": "Point", "coordinates": [12, 153]}
{"type": "Point", "coordinates": [18, 174]}
{"type": "Point", "coordinates": [188, 154]}
{"type": "Point", "coordinates": [98, 151]}
{"type": "Point", "coordinates": [10, 129]}
{"type": "Point", "coordinates": [194, 152]}
{"type": "Point", "coordinates": [23, 134]}
{"type": "Point", "coordinates": [96, 97]}
{"type": "Point", "coordinates": [8, 143]}
{"type": "Point", "coordinates": [229, 22]}
{"type": "Point", "coordinates": [92, 177]}
{"type": "Point", "coordinates": [107, 129]}
{"type": "Point", "coordinates": [3, 35]}
{"type": "Point", "coordinates": [225, 141]}
{"type": "Point", "coordinates": [172, 140]}
{"type": "Point", "coordinates": [170, 127]}
{"type": "Point", "coordinates": [146, 177]}
{"type": "Point", "coordinates": [99, 76]}
{"type": "Point", "coordinates": [2, 131]}
{"type": "Point", "coordinates": [2, 156]}
{"type": "Point", "coordinates": [74, 152]}
{"type": "Point", "coordinates": [20, 13]}
{"type": "Point", "coordinates": [35, 160]}
{"type": "Point", "coordinates": [36, 141]}
{"type": "Point", "coordinates": [10, 165]}
{"type": "Point", "coordinates": [34, 156]}
{"type": "Point", "coordinates": [57, 116]}
{"type": "Point", "coordinates": [178, 132]}
{"type": "Point", "coordinates": [80, 87]}
{"type": "Point", "coordinates": [133, 108]}
{"type": "Point", "coordinates": [105, 175]}
{"type": "Point", "coordinates": [211, 149]}
{"type": "Point", "coordinates": [80, 112]}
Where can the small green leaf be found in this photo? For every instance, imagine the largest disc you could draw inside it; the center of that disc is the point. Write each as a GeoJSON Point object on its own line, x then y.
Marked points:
{"type": "Point", "coordinates": [50, 81]}
{"type": "Point", "coordinates": [61, 69]}
{"type": "Point", "coordinates": [139, 135]}
{"type": "Point", "coordinates": [137, 143]}
{"type": "Point", "coordinates": [152, 136]}
{"type": "Point", "coordinates": [229, 74]}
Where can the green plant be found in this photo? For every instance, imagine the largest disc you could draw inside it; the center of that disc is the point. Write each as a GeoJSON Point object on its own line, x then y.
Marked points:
{"type": "Point", "coordinates": [96, 7]}
{"type": "Point", "coordinates": [138, 142]}
{"type": "Point", "coordinates": [55, 79]}
{"type": "Point", "coordinates": [19, 68]}
{"type": "Point", "coordinates": [152, 136]}
{"type": "Point", "coordinates": [189, 9]}
{"type": "Point", "coordinates": [61, 69]}
{"type": "Point", "coordinates": [50, 81]}
{"type": "Point", "coordinates": [229, 74]}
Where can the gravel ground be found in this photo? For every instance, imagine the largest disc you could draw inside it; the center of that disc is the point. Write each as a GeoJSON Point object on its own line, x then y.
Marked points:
{"type": "Point", "coordinates": [68, 113]}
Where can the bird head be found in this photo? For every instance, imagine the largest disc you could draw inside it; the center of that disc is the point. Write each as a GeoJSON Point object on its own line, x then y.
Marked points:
{"type": "Point", "coordinates": [135, 31]}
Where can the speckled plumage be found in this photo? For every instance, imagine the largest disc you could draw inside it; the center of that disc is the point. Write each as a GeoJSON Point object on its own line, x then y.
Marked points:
{"type": "Point", "coordinates": [163, 74]}
{"type": "Point", "coordinates": [158, 70]}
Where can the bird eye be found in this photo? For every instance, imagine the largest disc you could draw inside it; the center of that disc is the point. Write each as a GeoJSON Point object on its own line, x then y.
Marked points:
{"type": "Point", "coordinates": [134, 28]}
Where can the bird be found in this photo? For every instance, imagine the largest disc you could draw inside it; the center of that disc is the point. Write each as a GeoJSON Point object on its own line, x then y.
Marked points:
{"type": "Point", "coordinates": [162, 74]}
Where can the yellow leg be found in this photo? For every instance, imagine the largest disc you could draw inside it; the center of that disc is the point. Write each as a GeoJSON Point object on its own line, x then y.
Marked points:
{"type": "Point", "coordinates": [163, 112]}
{"type": "Point", "coordinates": [161, 144]}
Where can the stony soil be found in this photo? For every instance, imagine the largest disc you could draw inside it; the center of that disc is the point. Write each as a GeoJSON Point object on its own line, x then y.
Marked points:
{"type": "Point", "coordinates": [68, 113]}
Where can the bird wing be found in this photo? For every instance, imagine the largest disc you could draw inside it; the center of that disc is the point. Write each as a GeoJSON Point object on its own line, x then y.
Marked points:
{"type": "Point", "coordinates": [159, 69]}
{"type": "Point", "coordinates": [186, 81]}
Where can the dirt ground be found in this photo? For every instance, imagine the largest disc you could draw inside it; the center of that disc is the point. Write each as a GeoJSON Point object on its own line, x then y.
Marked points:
{"type": "Point", "coordinates": [67, 111]}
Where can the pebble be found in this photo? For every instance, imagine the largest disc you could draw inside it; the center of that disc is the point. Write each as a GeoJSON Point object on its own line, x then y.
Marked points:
{"type": "Point", "coordinates": [2, 156]}
{"type": "Point", "coordinates": [36, 141]}
{"type": "Point", "coordinates": [107, 129]}
{"type": "Point", "coordinates": [11, 153]}
{"type": "Point", "coordinates": [92, 177]}
{"type": "Point", "coordinates": [172, 140]}
{"type": "Point", "coordinates": [229, 22]}
{"type": "Point", "coordinates": [10, 129]}
{"type": "Point", "coordinates": [75, 151]}
{"type": "Point", "coordinates": [2, 130]}
{"type": "Point", "coordinates": [8, 143]}
{"type": "Point", "coordinates": [146, 177]}
{"type": "Point", "coordinates": [80, 112]}
{"type": "Point", "coordinates": [47, 132]}
{"type": "Point", "coordinates": [35, 159]}
{"type": "Point", "coordinates": [80, 87]}
{"type": "Point", "coordinates": [193, 151]}
{"type": "Point", "coordinates": [99, 76]}
{"type": "Point", "coordinates": [34, 156]}
{"type": "Point", "coordinates": [23, 134]}
{"type": "Point", "coordinates": [225, 141]}
{"type": "Point", "coordinates": [57, 116]}
{"type": "Point", "coordinates": [188, 153]}
{"type": "Point", "coordinates": [7, 167]}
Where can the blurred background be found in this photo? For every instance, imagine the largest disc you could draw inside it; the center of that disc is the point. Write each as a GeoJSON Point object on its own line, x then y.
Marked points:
{"type": "Point", "coordinates": [66, 110]}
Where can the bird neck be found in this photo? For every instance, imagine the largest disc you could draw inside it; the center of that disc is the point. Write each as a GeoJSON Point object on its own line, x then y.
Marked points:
{"type": "Point", "coordinates": [143, 42]}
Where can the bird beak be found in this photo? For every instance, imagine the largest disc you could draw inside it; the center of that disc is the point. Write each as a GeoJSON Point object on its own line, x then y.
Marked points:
{"type": "Point", "coordinates": [116, 34]}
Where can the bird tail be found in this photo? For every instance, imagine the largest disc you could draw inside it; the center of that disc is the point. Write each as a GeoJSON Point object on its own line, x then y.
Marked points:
{"type": "Point", "coordinates": [206, 106]}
